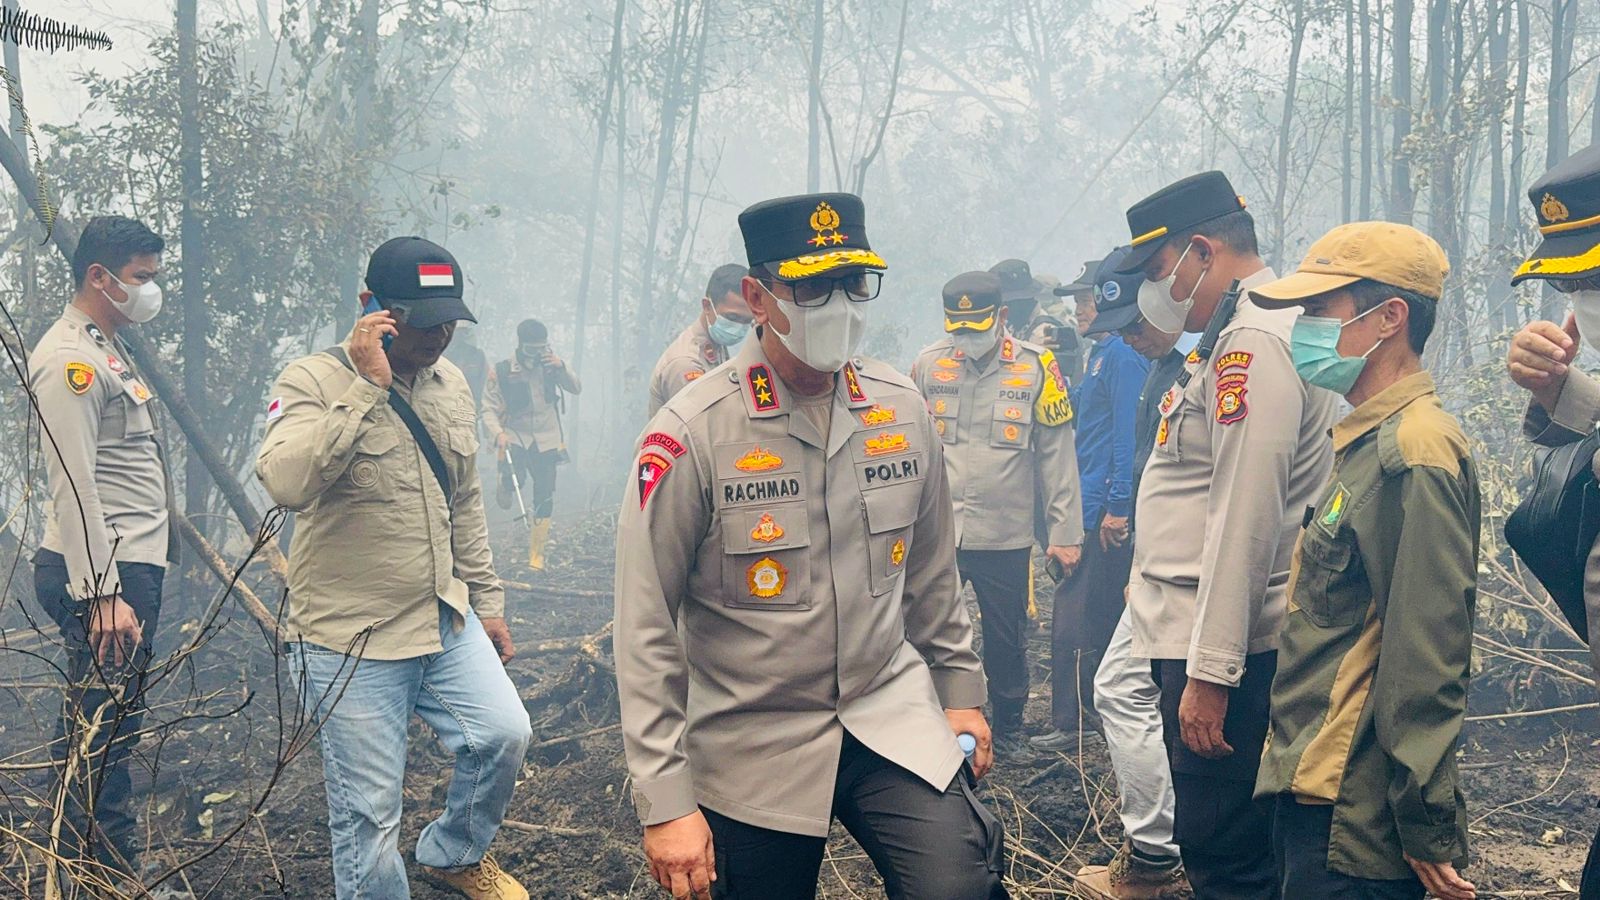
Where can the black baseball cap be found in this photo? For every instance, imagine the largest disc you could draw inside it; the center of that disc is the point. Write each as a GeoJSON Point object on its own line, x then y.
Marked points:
{"type": "Point", "coordinates": [1016, 280]}
{"type": "Point", "coordinates": [971, 300]}
{"type": "Point", "coordinates": [1567, 202]}
{"type": "Point", "coordinates": [1084, 283]}
{"type": "Point", "coordinates": [421, 276]}
{"type": "Point", "coordinates": [809, 235]}
{"type": "Point", "coordinates": [1174, 209]}
{"type": "Point", "coordinates": [1116, 295]}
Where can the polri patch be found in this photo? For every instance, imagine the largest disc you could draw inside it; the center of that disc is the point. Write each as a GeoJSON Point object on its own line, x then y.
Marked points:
{"type": "Point", "coordinates": [1238, 359]}
{"type": "Point", "coordinates": [652, 468]}
{"type": "Point", "coordinates": [1231, 404]}
{"type": "Point", "coordinates": [80, 377]}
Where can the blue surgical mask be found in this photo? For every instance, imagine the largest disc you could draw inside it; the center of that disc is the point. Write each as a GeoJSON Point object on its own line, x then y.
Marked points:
{"type": "Point", "coordinates": [726, 332]}
{"type": "Point", "coordinates": [1314, 346]}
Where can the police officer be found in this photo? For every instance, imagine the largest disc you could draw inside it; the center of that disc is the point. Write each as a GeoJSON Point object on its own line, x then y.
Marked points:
{"type": "Point", "coordinates": [790, 642]}
{"type": "Point", "coordinates": [109, 534]}
{"type": "Point", "coordinates": [1565, 402]}
{"type": "Point", "coordinates": [394, 605]}
{"type": "Point", "coordinates": [1241, 450]}
{"type": "Point", "coordinates": [1001, 410]}
{"type": "Point", "coordinates": [723, 322]}
{"type": "Point", "coordinates": [1065, 341]}
{"type": "Point", "coordinates": [522, 405]}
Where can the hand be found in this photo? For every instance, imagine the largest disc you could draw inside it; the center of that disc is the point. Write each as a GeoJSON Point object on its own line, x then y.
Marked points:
{"type": "Point", "coordinates": [1113, 531]}
{"type": "Point", "coordinates": [500, 636]}
{"type": "Point", "coordinates": [1200, 713]}
{"type": "Point", "coordinates": [1539, 356]}
{"type": "Point", "coordinates": [113, 627]}
{"type": "Point", "coordinates": [502, 442]}
{"type": "Point", "coordinates": [366, 347]}
{"type": "Point", "coordinates": [1442, 881]}
{"type": "Point", "coordinates": [971, 721]}
{"type": "Point", "coordinates": [551, 360]}
{"type": "Point", "coordinates": [682, 858]}
{"type": "Point", "coordinates": [1067, 557]}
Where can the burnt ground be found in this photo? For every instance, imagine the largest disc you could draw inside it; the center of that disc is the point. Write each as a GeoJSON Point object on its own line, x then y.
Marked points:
{"type": "Point", "coordinates": [1531, 783]}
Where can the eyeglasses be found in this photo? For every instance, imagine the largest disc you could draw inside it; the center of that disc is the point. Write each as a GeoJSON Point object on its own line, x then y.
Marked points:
{"type": "Point", "coordinates": [813, 292]}
{"type": "Point", "coordinates": [1572, 287]}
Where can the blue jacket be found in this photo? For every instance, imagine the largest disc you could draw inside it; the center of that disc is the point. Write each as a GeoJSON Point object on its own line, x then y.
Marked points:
{"type": "Point", "coordinates": [1107, 402]}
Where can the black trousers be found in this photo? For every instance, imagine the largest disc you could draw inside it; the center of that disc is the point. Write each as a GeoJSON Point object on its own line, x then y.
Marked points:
{"type": "Point", "coordinates": [927, 844]}
{"type": "Point", "coordinates": [1300, 847]}
{"type": "Point", "coordinates": [1589, 888]}
{"type": "Point", "coordinates": [1000, 579]}
{"type": "Point", "coordinates": [1223, 834]}
{"type": "Point", "coordinates": [1088, 606]}
{"type": "Point", "coordinates": [536, 474]}
{"type": "Point", "coordinates": [100, 813]}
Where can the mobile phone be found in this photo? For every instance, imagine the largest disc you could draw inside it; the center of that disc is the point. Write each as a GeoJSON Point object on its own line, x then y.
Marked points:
{"type": "Point", "coordinates": [370, 307]}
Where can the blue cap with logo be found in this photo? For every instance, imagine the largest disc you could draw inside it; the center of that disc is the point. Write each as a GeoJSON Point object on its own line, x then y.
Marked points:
{"type": "Point", "coordinates": [1116, 295]}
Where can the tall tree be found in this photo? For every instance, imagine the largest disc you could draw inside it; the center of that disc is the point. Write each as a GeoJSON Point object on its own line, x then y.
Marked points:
{"type": "Point", "coordinates": [1367, 137]}
{"type": "Point", "coordinates": [814, 101]}
{"type": "Point", "coordinates": [1347, 135]}
{"type": "Point", "coordinates": [196, 314]}
{"type": "Point", "coordinates": [1297, 39]}
{"type": "Point", "coordinates": [1402, 196]}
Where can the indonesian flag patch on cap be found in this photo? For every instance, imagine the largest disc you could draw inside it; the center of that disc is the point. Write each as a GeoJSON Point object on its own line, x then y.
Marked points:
{"type": "Point", "coordinates": [435, 275]}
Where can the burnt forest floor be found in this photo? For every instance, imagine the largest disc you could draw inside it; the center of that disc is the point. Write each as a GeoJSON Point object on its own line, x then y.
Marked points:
{"type": "Point", "coordinates": [1531, 784]}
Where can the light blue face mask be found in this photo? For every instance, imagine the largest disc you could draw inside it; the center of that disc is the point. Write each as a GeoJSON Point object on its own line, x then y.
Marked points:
{"type": "Point", "coordinates": [1314, 346]}
{"type": "Point", "coordinates": [726, 332]}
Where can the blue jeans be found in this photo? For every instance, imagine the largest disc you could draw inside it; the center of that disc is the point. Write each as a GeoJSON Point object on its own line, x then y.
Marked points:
{"type": "Point", "coordinates": [363, 707]}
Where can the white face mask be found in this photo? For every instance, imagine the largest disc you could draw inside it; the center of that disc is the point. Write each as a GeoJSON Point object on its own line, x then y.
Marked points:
{"type": "Point", "coordinates": [1156, 302]}
{"type": "Point", "coordinates": [823, 337]}
{"type": "Point", "coordinates": [976, 343]}
{"type": "Point", "coordinates": [143, 303]}
{"type": "Point", "coordinates": [1586, 309]}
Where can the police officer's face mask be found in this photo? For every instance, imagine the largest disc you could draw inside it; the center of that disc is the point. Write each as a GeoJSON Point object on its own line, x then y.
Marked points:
{"type": "Point", "coordinates": [1586, 309]}
{"type": "Point", "coordinates": [976, 343]}
{"type": "Point", "coordinates": [143, 301]}
{"type": "Point", "coordinates": [1162, 310]}
{"type": "Point", "coordinates": [823, 337]}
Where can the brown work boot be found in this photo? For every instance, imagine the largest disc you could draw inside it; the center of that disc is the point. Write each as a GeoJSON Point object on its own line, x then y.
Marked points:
{"type": "Point", "coordinates": [484, 881]}
{"type": "Point", "coordinates": [1131, 878]}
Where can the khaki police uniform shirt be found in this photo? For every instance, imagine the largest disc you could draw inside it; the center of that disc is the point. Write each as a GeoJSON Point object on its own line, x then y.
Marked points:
{"type": "Point", "coordinates": [776, 586]}
{"type": "Point", "coordinates": [109, 493]}
{"type": "Point", "coordinates": [538, 425]}
{"type": "Point", "coordinates": [691, 355]}
{"type": "Point", "coordinates": [376, 543]}
{"type": "Point", "coordinates": [1006, 424]}
{"type": "Point", "coordinates": [1576, 415]}
{"type": "Point", "coordinates": [1239, 455]}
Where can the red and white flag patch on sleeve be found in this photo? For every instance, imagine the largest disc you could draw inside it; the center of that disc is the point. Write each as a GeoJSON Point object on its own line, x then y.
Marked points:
{"type": "Point", "coordinates": [435, 275]}
{"type": "Point", "coordinates": [275, 408]}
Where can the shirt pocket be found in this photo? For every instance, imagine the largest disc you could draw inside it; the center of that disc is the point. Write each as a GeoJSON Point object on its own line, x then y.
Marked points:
{"type": "Point", "coordinates": [129, 418]}
{"type": "Point", "coordinates": [1330, 578]}
{"type": "Point", "coordinates": [380, 466]}
{"type": "Point", "coordinates": [1012, 423]}
{"type": "Point", "coordinates": [1176, 411]}
{"type": "Point", "coordinates": [890, 514]}
{"type": "Point", "coordinates": [766, 557]}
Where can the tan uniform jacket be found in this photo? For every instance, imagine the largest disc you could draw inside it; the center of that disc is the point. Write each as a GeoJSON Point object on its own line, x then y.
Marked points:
{"type": "Point", "coordinates": [1576, 415]}
{"type": "Point", "coordinates": [776, 586]}
{"type": "Point", "coordinates": [376, 543]}
{"type": "Point", "coordinates": [110, 498]}
{"type": "Point", "coordinates": [1239, 456]}
{"type": "Point", "coordinates": [691, 355]}
{"type": "Point", "coordinates": [1007, 429]}
{"type": "Point", "coordinates": [536, 426]}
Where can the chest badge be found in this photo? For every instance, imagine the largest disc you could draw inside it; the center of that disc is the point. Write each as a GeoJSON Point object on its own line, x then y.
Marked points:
{"type": "Point", "coordinates": [945, 376]}
{"type": "Point", "coordinates": [878, 416]}
{"type": "Point", "coordinates": [947, 363]}
{"type": "Point", "coordinates": [1162, 431]}
{"type": "Point", "coordinates": [1012, 432]}
{"type": "Point", "coordinates": [140, 392]}
{"type": "Point", "coordinates": [1018, 382]}
{"type": "Point", "coordinates": [1013, 413]}
{"type": "Point", "coordinates": [1336, 508]}
{"type": "Point", "coordinates": [1020, 367]}
{"type": "Point", "coordinates": [766, 578]}
{"type": "Point", "coordinates": [767, 530]}
{"type": "Point", "coordinates": [886, 443]}
{"type": "Point", "coordinates": [939, 427]}
{"type": "Point", "coordinates": [940, 407]}
{"type": "Point", "coordinates": [80, 377]}
{"type": "Point", "coordinates": [897, 553]}
{"type": "Point", "coordinates": [759, 460]}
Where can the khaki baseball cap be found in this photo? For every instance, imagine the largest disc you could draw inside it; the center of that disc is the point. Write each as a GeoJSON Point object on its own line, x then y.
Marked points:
{"type": "Point", "coordinates": [1397, 255]}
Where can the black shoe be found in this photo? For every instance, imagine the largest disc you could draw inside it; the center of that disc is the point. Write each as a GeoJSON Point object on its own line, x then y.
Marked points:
{"type": "Point", "coordinates": [1013, 749]}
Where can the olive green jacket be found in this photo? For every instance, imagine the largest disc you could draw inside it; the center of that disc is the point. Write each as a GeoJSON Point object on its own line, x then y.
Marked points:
{"type": "Point", "coordinates": [1371, 688]}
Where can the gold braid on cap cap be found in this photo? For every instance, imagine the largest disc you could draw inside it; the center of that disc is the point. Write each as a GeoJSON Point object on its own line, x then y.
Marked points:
{"type": "Point", "coordinates": [807, 266]}
{"type": "Point", "coordinates": [1562, 265]}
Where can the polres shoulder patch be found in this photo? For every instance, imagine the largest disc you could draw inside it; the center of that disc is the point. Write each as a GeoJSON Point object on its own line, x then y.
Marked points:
{"type": "Point", "coordinates": [80, 377]}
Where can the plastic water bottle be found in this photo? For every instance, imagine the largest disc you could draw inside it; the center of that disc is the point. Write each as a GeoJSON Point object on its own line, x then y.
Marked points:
{"type": "Point", "coordinates": [968, 744]}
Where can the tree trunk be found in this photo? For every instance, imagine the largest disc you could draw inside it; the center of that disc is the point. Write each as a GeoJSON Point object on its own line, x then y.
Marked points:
{"type": "Point", "coordinates": [1558, 143]}
{"type": "Point", "coordinates": [1297, 39]}
{"type": "Point", "coordinates": [1496, 286]}
{"type": "Point", "coordinates": [581, 306]}
{"type": "Point", "coordinates": [1347, 136]}
{"type": "Point", "coordinates": [364, 59]}
{"type": "Point", "coordinates": [814, 93]}
{"type": "Point", "coordinates": [666, 142]}
{"type": "Point", "coordinates": [1367, 137]}
{"type": "Point", "coordinates": [196, 314]}
{"type": "Point", "coordinates": [1402, 197]}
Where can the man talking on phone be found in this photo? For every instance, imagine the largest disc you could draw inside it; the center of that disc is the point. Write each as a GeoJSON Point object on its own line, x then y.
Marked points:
{"type": "Point", "coordinates": [394, 605]}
